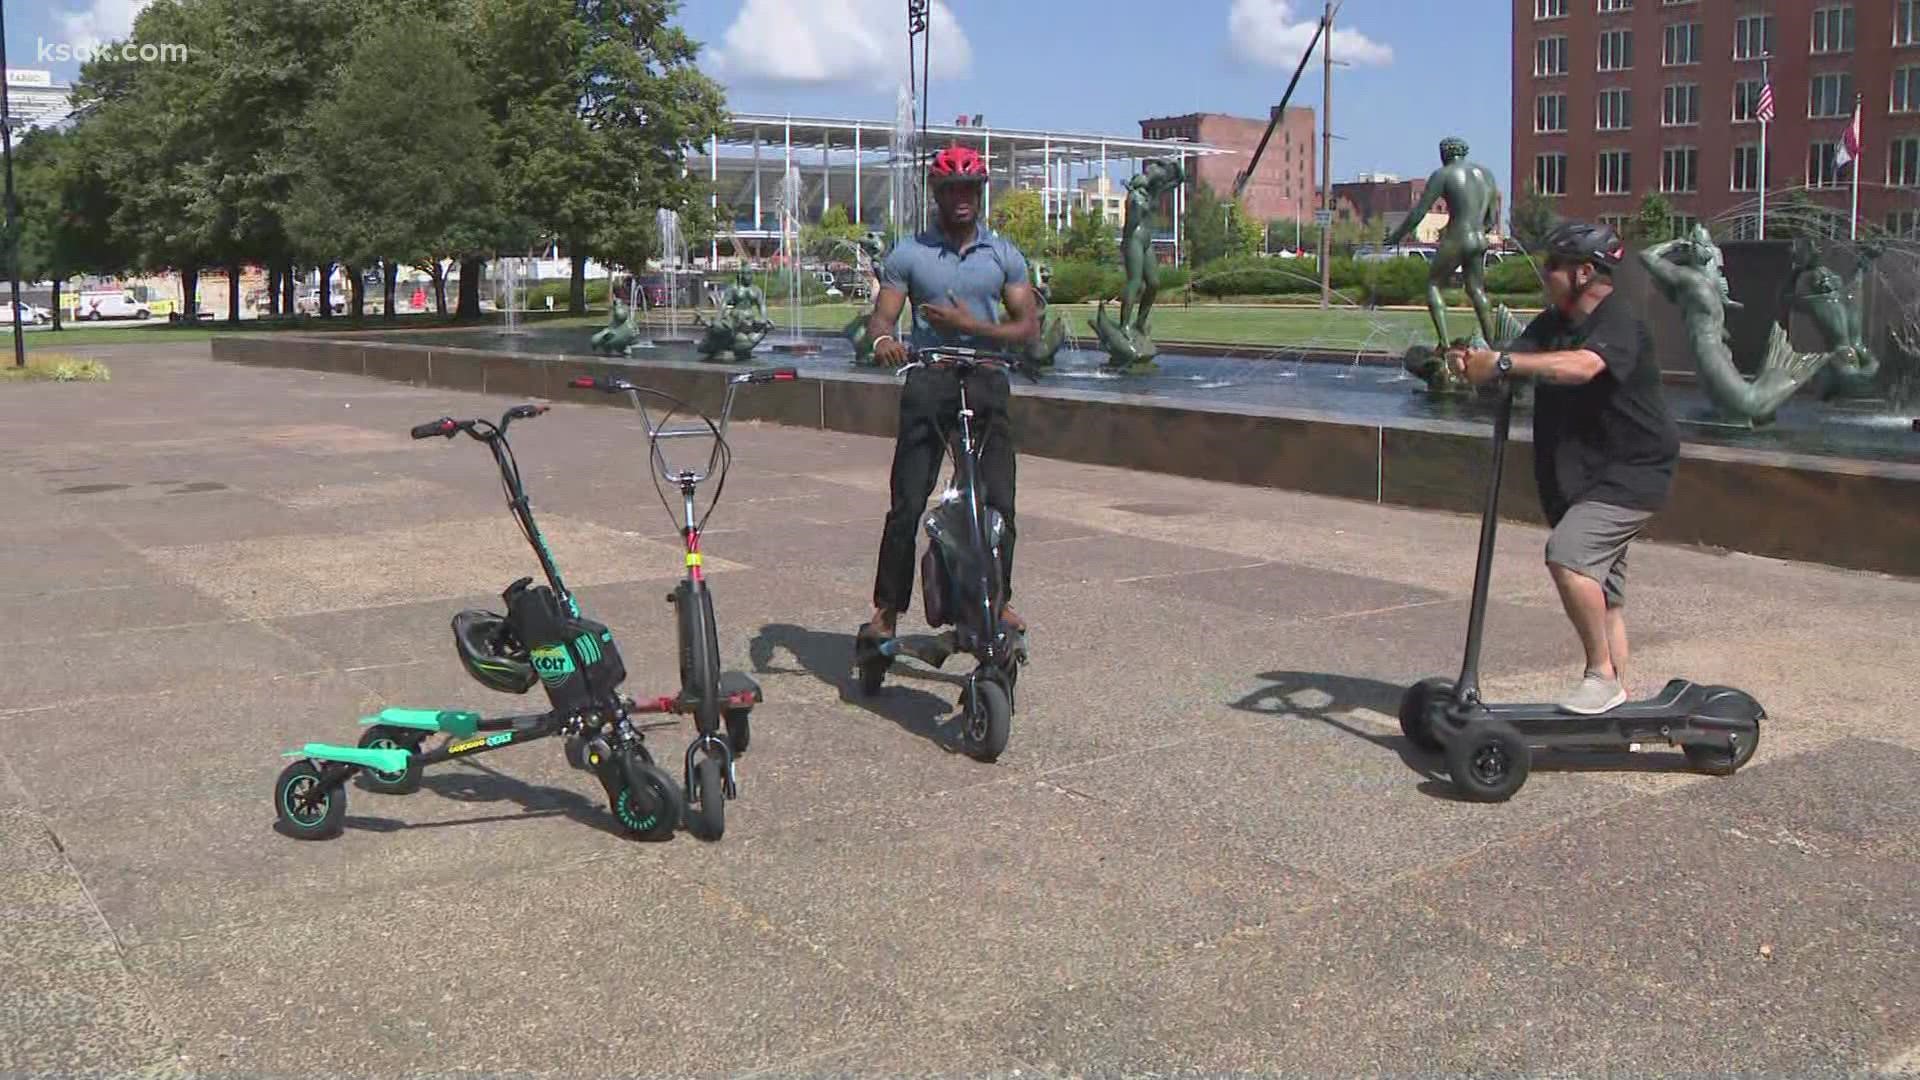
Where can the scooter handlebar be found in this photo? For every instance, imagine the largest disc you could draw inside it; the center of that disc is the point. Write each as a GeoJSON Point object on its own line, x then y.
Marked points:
{"type": "Point", "coordinates": [446, 426]}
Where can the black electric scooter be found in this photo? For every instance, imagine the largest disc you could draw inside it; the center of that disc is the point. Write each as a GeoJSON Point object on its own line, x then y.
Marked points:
{"type": "Point", "coordinates": [960, 582]}
{"type": "Point", "coordinates": [1488, 747]}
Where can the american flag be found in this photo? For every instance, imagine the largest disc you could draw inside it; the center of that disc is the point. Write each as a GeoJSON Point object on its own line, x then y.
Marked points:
{"type": "Point", "coordinates": [1763, 109]}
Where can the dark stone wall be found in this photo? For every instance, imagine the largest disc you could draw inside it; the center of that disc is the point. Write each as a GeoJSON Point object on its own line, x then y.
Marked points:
{"type": "Point", "coordinates": [1861, 515]}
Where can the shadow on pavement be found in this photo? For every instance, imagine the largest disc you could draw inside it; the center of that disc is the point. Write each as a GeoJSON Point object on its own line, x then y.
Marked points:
{"type": "Point", "coordinates": [471, 782]}
{"type": "Point", "coordinates": [828, 657]}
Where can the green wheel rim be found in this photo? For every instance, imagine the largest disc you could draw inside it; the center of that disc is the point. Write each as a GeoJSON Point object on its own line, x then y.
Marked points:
{"type": "Point", "coordinates": [624, 807]}
{"type": "Point", "coordinates": [386, 777]}
{"type": "Point", "coordinates": [289, 801]}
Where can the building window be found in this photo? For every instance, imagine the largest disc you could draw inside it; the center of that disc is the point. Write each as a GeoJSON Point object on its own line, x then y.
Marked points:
{"type": "Point", "coordinates": [1616, 50]}
{"type": "Point", "coordinates": [1614, 111]}
{"type": "Point", "coordinates": [1821, 170]}
{"type": "Point", "coordinates": [1752, 37]}
{"type": "Point", "coordinates": [1904, 224]}
{"type": "Point", "coordinates": [1681, 45]}
{"type": "Point", "coordinates": [1550, 56]}
{"type": "Point", "coordinates": [1606, 7]}
{"type": "Point", "coordinates": [1903, 162]}
{"type": "Point", "coordinates": [1549, 114]}
{"type": "Point", "coordinates": [1680, 105]}
{"type": "Point", "coordinates": [1746, 167]}
{"type": "Point", "coordinates": [1833, 29]}
{"type": "Point", "coordinates": [1746, 99]}
{"type": "Point", "coordinates": [1613, 173]}
{"type": "Point", "coordinates": [1549, 9]}
{"type": "Point", "coordinates": [1616, 222]}
{"type": "Point", "coordinates": [1906, 23]}
{"type": "Point", "coordinates": [1831, 94]}
{"type": "Point", "coordinates": [1679, 169]}
{"type": "Point", "coordinates": [1906, 89]}
{"type": "Point", "coordinates": [1550, 174]}
{"type": "Point", "coordinates": [1681, 224]}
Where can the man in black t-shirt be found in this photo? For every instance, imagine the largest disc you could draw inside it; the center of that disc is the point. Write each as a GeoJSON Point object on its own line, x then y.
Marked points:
{"type": "Point", "coordinates": [1604, 444]}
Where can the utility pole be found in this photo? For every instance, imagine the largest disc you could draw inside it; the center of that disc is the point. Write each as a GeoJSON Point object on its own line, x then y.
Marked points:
{"type": "Point", "coordinates": [1326, 157]}
{"type": "Point", "coordinates": [13, 234]}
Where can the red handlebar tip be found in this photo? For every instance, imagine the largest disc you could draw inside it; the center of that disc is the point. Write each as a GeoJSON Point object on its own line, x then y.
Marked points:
{"type": "Point", "coordinates": [785, 375]}
{"type": "Point", "coordinates": [582, 383]}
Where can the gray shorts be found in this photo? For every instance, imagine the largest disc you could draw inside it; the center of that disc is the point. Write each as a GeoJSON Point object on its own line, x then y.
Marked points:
{"type": "Point", "coordinates": [1591, 540]}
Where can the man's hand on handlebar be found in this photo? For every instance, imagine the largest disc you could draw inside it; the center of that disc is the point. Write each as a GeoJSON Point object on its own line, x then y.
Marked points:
{"type": "Point", "coordinates": [889, 351]}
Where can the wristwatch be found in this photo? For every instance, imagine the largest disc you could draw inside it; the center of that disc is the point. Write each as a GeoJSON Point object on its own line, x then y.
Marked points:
{"type": "Point", "coordinates": [1504, 365]}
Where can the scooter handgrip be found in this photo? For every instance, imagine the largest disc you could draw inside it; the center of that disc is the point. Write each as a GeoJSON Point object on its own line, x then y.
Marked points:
{"type": "Point", "coordinates": [586, 382]}
{"type": "Point", "coordinates": [776, 375]}
{"type": "Point", "coordinates": [442, 426]}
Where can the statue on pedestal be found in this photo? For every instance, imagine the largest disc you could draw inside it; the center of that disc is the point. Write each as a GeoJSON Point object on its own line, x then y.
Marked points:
{"type": "Point", "coordinates": [874, 245]}
{"type": "Point", "coordinates": [1687, 272]}
{"type": "Point", "coordinates": [1127, 342]}
{"type": "Point", "coordinates": [1053, 329]}
{"type": "Point", "coordinates": [739, 325]}
{"type": "Point", "coordinates": [621, 331]}
{"type": "Point", "coordinates": [1839, 313]}
{"type": "Point", "coordinates": [1473, 209]}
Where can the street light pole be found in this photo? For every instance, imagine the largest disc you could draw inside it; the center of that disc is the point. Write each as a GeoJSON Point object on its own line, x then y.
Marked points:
{"type": "Point", "coordinates": [1326, 159]}
{"type": "Point", "coordinates": [13, 234]}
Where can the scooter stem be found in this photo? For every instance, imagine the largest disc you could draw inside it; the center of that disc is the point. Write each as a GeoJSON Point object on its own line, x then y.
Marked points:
{"type": "Point", "coordinates": [1467, 689]}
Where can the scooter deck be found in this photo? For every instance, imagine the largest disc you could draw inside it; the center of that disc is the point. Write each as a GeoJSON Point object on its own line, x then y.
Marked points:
{"type": "Point", "coordinates": [1679, 713]}
{"type": "Point", "coordinates": [381, 760]}
{"type": "Point", "coordinates": [455, 722]}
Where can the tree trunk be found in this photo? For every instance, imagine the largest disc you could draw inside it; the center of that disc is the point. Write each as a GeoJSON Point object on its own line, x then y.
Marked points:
{"type": "Point", "coordinates": [577, 290]}
{"type": "Point", "coordinates": [273, 292]}
{"type": "Point", "coordinates": [469, 290]}
{"type": "Point", "coordinates": [56, 301]}
{"type": "Point", "coordinates": [233, 293]}
{"type": "Point", "coordinates": [190, 295]}
{"type": "Point", "coordinates": [393, 280]}
{"type": "Point", "coordinates": [286, 290]}
{"type": "Point", "coordinates": [357, 289]}
{"type": "Point", "coordinates": [324, 302]}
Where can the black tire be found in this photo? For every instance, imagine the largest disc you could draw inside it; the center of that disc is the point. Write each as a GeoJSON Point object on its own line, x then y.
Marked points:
{"type": "Point", "coordinates": [1488, 762]}
{"type": "Point", "coordinates": [739, 729]}
{"type": "Point", "coordinates": [1724, 761]}
{"type": "Point", "coordinates": [710, 687]}
{"type": "Point", "coordinates": [306, 813]}
{"type": "Point", "coordinates": [652, 812]}
{"type": "Point", "coordinates": [404, 782]}
{"type": "Point", "coordinates": [1416, 712]}
{"type": "Point", "coordinates": [707, 802]}
{"type": "Point", "coordinates": [989, 721]}
{"type": "Point", "coordinates": [699, 657]}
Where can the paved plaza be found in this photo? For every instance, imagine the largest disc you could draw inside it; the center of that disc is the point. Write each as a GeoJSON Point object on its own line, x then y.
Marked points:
{"type": "Point", "coordinates": [1207, 848]}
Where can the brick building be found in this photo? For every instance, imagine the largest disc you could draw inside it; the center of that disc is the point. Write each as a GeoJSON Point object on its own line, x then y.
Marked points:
{"type": "Point", "coordinates": [1614, 99]}
{"type": "Point", "coordinates": [1284, 184]}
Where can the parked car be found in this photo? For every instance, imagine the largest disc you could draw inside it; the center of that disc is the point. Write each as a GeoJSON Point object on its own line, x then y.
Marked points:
{"type": "Point", "coordinates": [28, 314]}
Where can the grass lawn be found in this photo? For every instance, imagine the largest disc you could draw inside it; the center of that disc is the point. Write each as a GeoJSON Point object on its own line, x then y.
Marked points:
{"type": "Point", "coordinates": [47, 366]}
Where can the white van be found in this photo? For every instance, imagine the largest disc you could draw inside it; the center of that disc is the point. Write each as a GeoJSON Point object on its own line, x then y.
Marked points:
{"type": "Point", "coordinates": [110, 305]}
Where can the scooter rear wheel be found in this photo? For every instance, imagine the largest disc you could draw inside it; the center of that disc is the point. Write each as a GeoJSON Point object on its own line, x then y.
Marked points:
{"type": "Point", "coordinates": [305, 811]}
{"type": "Point", "coordinates": [1488, 762]}
{"type": "Point", "coordinates": [404, 782]}
{"type": "Point", "coordinates": [989, 720]}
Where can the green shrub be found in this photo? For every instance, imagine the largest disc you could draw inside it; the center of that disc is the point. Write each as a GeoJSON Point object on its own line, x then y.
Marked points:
{"type": "Point", "coordinates": [535, 297]}
{"type": "Point", "coordinates": [1076, 281]}
{"type": "Point", "coordinates": [1513, 275]}
{"type": "Point", "coordinates": [1396, 281]}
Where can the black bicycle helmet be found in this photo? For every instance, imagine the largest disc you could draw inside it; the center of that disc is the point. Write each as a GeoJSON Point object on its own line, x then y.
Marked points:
{"type": "Point", "coordinates": [1580, 241]}
{"type": "Point", "coordinates": [490, 654]}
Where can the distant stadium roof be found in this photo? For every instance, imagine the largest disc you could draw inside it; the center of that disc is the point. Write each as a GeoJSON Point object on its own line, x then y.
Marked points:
{"type": "Point", "coordinates": [35, 100]}
{"type": "Point", "coordinates": [838, 133]}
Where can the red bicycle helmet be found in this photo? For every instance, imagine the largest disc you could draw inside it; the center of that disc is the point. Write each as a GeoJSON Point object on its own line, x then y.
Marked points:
{"type": "Point", "coordinates": [958, 164]}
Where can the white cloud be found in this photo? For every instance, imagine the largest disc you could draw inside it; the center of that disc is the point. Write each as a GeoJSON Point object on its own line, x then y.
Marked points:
{"type": "Point", "coordinates": [834, 41]}
{"type": "Point", "coordinates": [101, 22]}
{"type": "Point", "coordinates": [1269, 32]}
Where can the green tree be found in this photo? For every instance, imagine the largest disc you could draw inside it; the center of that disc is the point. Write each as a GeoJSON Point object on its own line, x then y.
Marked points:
{"type": "Point", "coordinates": [1532, 218]}
{"type": "Point", "coordinates": [830, 237]}
{"type": "Point", "coordinates": [1248, 232]}
{"type": "Point", "coordinates": [1205, 230]}
{"type": "Point", "coordinates": [65, 207]}
{"type": "Point", "coordinates": [1654, 221]}
{"type": "Point", "coordinates": [1090, 238]}
{"type": "Point", "coordinates": [1021, 216]}
{"type": "Point", "coordinates": [1282, 236]}
{"type": "Point", "coordinates": [379, 183]}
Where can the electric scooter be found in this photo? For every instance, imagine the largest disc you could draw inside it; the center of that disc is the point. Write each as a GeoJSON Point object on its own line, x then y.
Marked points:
{"type": "Point", "coordinates": [1488, 747]}
{"type": "Point", "coordinates": [713, 697]}
{"type": "Point", "coordinates": [543, 638]}
{"type": "Point", "coordinates": [960, 581]}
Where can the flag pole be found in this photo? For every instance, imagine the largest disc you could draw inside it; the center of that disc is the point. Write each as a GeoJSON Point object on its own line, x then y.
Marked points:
{"type": "Point", "coordinates": [1763, 160]}
{"type": "Point", "coordinates": [1853, 222]}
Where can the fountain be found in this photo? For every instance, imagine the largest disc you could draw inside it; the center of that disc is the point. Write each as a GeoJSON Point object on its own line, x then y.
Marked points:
{"type": "Point", "coordinates": [506, 294]}
{"type": "Point", "coordinates": [673, 261]}
{"type": "Point", "coordinates": [903, 166]}
{"type": "Point", "coordinates": [790, 256]}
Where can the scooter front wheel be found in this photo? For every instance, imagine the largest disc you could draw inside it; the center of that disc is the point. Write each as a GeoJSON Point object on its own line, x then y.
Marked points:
{"type": "Point", "coordinates": [648, 805]}
{"type": "Point", "coordinates": [306, 809]}
{"type": "Point", "coordinates": [1488, 762]}
{"type": "Point", "coordinates": [989, 720]}
{"type": "Point", "coordinates": [707, 802]}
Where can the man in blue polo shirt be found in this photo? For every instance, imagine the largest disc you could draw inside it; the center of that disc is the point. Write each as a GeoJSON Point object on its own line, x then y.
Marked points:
{"type": "Point", "coordinates": [959, 275]}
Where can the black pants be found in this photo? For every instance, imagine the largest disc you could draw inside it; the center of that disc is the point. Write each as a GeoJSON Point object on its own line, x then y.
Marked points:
{"type": "Point", "coordinates": [929, 415]}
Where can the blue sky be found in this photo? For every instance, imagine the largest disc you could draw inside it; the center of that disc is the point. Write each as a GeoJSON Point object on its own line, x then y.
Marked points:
{"type": "Point", "coordinates": [1089, 65]}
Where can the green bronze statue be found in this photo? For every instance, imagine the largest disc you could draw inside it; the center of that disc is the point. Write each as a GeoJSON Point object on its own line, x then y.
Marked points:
{"type": "Point", "coordinates": [1839, 313]}
{"type": "Point", "coordinates": [1687, 272]}
{"type": "Point", "coordinates": [739, 324]}
{"type": "Point", "coordinates": [621, 331]}
{"type": "Point", "coordinates": [1126, 342]}
{"type": "Point", "coordinates": [1053, 329]}
{"type": "Point", "coordinates": [1473, 211]}
{"type": "Point", "coordinates": [874, 246]}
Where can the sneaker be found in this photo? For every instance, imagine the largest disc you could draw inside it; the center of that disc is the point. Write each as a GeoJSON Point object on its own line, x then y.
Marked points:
{"type": "Point", "coordinates": [1595, 694]}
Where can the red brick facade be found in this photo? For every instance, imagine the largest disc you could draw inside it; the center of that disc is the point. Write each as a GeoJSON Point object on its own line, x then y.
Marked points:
{"type": "Point", "coordinates": [1680, 63]}
{"type": "Point", "coordinates": [1284, 184]}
